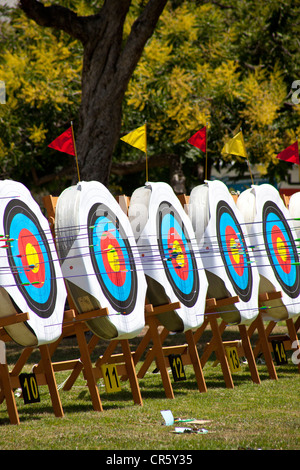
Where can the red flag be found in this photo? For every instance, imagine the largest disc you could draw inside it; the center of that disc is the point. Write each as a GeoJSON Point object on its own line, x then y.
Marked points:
{"type": "Point", "coordinates": [290, 154]}
{"type": "Point", "coordinates": [64, 142]}
{"type": "Point", "coordinates": [199, 139]}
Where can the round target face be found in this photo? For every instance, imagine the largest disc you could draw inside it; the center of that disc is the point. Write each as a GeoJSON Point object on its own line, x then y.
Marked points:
{"type": "Point", "coordinates": [234, 251]}
{"type": "Point", "coordinates": [30, 259]}
{"type": "Point", "coordinates": [281, 249]}
{"type": "Point", "coordinates": [112, 258]}
{"type": "Point", "coordinates": [177, 254]}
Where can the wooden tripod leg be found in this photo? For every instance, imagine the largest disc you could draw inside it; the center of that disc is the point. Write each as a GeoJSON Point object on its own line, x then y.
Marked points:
{"type": "Point", "coordinates": [9, 394]}
{"type": "Point", "coordinates": [131, 373]}
{"type": "Point", "coordinates": [265, 347]}
{"type": "Point", "coordinates": [293, 336]}
{"type": "Point", "coordinates": [195, 361]}
{"type": "Point", "coordinates": [79, 366]}
{"type": "Point", "coordinates": [88, 368]}
{"type": "Point", "coordinates": [51, 382]}
{"type": "Point", "coordinates": [249, 354]}
{"type": "Point", "coordinates": [18, 367]}
{"type": "Point", "coordinates": [159, 356]}
{"type": "Point", "coordinates": [270, 327]}
{"type": "Point", "coordinates": [151, 354]}
{"type": "Point", "coordinates": [139, 351]}
{"type": "Point", "coordinates": [221, 354]}
{"type": "Point", "coordinates": [212, 345]}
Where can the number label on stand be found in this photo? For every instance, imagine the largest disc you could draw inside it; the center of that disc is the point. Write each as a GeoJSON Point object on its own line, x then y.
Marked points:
{"type": "Point", "coordinates": [176, 365]}
{"type": "Point", "coordinates": [111, 379]}
{"type": "Point", "coordinates": [29, 388]}
{"type": "Point", "coordinates": [279, 352]}
{"type": "Point", "coordinates": [233, 359]}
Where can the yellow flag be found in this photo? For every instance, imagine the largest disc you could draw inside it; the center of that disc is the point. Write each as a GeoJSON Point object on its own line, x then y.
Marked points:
{"type": "Point", "coordinates": [236, 146]}
{"type": "Point", "coordinates": [137, 138]}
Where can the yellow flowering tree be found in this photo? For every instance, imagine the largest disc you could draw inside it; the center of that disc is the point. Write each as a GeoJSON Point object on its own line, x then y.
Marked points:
{"type": "Point", "coordinates": [223, 66]}
{"type": "Point", "coordinates": [42, 85]}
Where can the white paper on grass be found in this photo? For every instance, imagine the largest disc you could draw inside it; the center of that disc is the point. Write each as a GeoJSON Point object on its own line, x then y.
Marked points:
{"type": "Point", "coordinates": [143, 209]}
{"type": "Point", "coordinates": [202, 211]}
{"type": "Point", "coordinates": [37, 330]}
{"type": "Point", "coordinates": [251, 202]}
{"type": "Point", "coordinates": [72, 210]}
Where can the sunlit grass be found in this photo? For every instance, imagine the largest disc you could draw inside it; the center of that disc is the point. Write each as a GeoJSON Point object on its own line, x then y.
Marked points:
{"type": "Point", "coordinates": [250, 416]}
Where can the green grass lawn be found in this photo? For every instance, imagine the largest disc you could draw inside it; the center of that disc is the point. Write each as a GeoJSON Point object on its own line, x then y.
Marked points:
{"type": "Point", "coordinates": [250, 416]}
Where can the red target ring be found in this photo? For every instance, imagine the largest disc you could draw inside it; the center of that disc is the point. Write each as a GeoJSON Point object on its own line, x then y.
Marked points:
{"type": "Point", "coordinates": [233, 249]}
{"type": "Point", "coordinates": [178, 254]}
{"type": "Point", "coordinates": [31, 257]}
{"type": "Point", "coordinates": [113, 259]}
{"type": "Point", "coordinates": [281, 249]}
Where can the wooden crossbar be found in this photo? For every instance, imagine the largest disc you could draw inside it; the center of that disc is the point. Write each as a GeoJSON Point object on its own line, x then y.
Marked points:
{"type": "Point", "coordinates": [84, 362]}
{"type": "Point", "coordinates": [157, 334]}
{"type": "Point", "coordinates": [217, 344]}
{"type": "Point", "coordinates": [10, 380]}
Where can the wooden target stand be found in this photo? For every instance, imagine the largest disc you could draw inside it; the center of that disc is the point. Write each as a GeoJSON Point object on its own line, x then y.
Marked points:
{"type": "Point", "coordinates": [188, 352]}
{"type": "Point", "coordinates": [123, 362]}
{"type": "Point", "coordinates": [244, 349]}
{"type": "Point", "coordinates": [185, 354]}
{"type": "Point", "coordinates": [9, 381]}
{"type": "Point", "coordinates": [157, 334]}
{"type": "Point", "coordinates": [243, 346]}
{"type": "Point", "coordinates": [266, 338]}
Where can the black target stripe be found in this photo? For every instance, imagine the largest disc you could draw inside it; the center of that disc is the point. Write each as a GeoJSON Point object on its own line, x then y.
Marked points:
{"type": "Point", "coordinates": [234, 251]}
{"type": "Point", "coordinates": [112, 258]}
{"type": "Point", "coordinates": [177, 254]}
{"type": "Point", "coordinates": [30, 259]}
{"type": "Point", "coordinates": [281, 249]}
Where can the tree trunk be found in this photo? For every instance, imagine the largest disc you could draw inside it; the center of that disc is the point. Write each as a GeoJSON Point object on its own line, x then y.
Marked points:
{"type": "Point", "coordinates": [108, 65]}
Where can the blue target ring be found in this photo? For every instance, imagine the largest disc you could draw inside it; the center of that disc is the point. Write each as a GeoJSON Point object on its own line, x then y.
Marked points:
{"type": "Point", "coordinates": [177, 254]}
{"type": "Point", "coordinates": [281, 249]}
{"type": "Point", "coordinates": [234, 251]}
{"type": "Point", "coordinates": [112, 258]}
{"type": "Point", "coordinates": [30, 259]}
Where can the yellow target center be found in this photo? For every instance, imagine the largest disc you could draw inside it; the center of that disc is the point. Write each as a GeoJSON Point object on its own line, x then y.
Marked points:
{"type": "Point", "coordinates": [32, 258]}
{"type": "Point", "coordinates": [234, 250]}
{"type": "Point", "coordinates": [113, 258]}
{"type": "Point", "coordinates": [281, 248]}
{"type": "Point", "coordinates": [177, 251]}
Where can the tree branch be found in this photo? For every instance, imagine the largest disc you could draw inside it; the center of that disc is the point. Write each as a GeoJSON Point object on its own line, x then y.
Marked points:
{"type": "Point", "coordinates": [142, 29]}
{"type": "Point", "coordinates": [59, 17]}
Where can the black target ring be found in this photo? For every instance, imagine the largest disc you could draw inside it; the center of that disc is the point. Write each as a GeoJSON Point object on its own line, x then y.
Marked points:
{"type": "Point", "coordinates": [112, 258]}
{"type": "Point", "coordinates": [177, 254]}
{"type": "Point", "coordinates": [281, 249]}
{"type": "Point", "coordinates": [37, 284]}
{"type": "Point", "coordinates": [237, 265]}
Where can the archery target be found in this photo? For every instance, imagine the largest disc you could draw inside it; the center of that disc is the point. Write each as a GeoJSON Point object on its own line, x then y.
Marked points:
{"type": "Point", "coordinates": [100, 261]}
{"type": "Point", "coordinates": [30, 274]}
{"type": "Point", "coordinates": [168, 251]}
{"type": "Point", "coordinates": [224, 250]}
{"type": "Point", "coordinates": [275, 250]}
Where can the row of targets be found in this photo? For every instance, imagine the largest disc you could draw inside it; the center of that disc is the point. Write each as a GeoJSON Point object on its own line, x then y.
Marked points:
{"type": "Point", "coordinates": [160, 252]}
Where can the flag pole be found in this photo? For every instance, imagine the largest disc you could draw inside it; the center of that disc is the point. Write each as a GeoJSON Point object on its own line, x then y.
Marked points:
{"type": "Point", "coordinates": [248, 163]}
{"type": "Point", "coordinates": [206, 131]}
{"type": "Point", "coordinates": [75, 151]}
{"type": "Point", "coordinates": [146, 151]}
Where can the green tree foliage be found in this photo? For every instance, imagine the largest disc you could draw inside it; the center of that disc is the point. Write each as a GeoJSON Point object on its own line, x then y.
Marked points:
{"type": "Point", "coordinates": [42, 94]}
{"type": "Point", "coordinates": [225, 65]}
{"type": "Point", "coordinates": [222, 64]}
